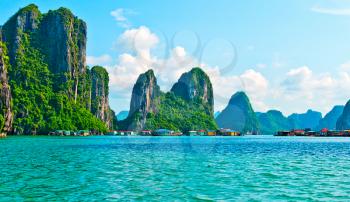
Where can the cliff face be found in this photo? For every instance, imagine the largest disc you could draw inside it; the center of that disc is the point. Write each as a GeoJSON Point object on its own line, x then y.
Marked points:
{"type": "Point", "coordinates": [330, 119]}
{"type": "Point", "coordinates": [144, 99]}
{"type": "Point", "coordinates": [6, 115]}
{"type": "Point", "coordinates": [310, 119]}
{"type": "Point", "coordinates": [238, 115]}
{"type": "Point", "coordinates": [99, 96]}
{"type": "Point", "coordinates": [196, 86]}
{"type": "Point", "coordinates": [343, 122]}
{"type": "Point", "coordinates": [24, 21]}
{"type": "Point", "coordinates": [63, 42]}
{"type": "Point", "coordinates": [50, 83]}
{"type": "Point", "coordinates": [184, 108]}
{"type": "Point", "coordinates": [273, 121]}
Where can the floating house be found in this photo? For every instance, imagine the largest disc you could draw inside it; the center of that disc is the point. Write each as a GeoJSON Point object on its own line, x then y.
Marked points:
{"type": "Point", "coordinates": [162, 132]}
{"type": "Point", "coordinates": [83, 132]}
{"type": "Point", "coordinates": [211, 133]}
{"type": "Point", "coordinates": [126, 133]}
{"type": "Point", "coordinates": [146, 133]}
{"type": "Point", "coordinates": [283, 133]}
{"type": "Point", "coordinates": [229, 132]}
{"type": "Point", "coordinates": [201, 132]}
{"type": "Point", "coordinates": [324, 132]}
{"type": "Point", "coordinates": [298, 132]}
{"type": "Point", "coordinates": [311, 133]}
{"type": "Point", "coordinates": [111, 133]}
{"type": "Point", "coordinates": [176, 133]}
{"type": "Point", "coordinates": [192, 133]}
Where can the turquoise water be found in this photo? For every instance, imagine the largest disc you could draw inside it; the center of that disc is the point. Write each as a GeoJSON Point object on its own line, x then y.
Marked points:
{"type": "Point", "coordinates": [174, 168]}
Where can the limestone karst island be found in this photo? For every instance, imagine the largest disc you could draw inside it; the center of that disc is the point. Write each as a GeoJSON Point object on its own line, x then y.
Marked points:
{"type": "Point", "coordinates": [135, 100]}
{"type": "Point", "coordinates": [47, 88]}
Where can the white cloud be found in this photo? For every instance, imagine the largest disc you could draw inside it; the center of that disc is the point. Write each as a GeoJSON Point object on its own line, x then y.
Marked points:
{"type": "Point", "coordinates": [302, 88]}
{"type": "Point", "coordinates": [331, 11]}
{"type": "Point", "coordinates": [345, 67]}
{"type": "Point", "coordinates": [120, 14]}
{"type": "Point", "coordinates": [296, 91]}
{"type": "Point", "coordinates": [99, 60]}
{"type": "Point", "coordinates": [139, 40]}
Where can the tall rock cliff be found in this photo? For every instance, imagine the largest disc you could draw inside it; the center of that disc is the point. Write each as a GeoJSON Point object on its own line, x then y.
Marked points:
{"type": "Point", "coordinates": [99, 96]}
{"type": "Point", "coordinates": [238, 115]}
{"type": "Point", "coordinates": [144, 99]}
{"type": "Point", "coordinates": [273, 121]}
{"type": "Point", "coordinates": [330, 119]}
{"type": "Point", "coordinates": [26, 20]}
{"type": "Point", "coordinates": [6, 115]}
{"type": "Point", "coordinates": [343, 122]}
{"type": "Point", "coordinates": [63, 42]}
{"type": "Point", "coordinates": [310, 119]}
{"type": "Point", "coordinates": [195, 85]}
{"type": "Point", "coordinates": [50, 83]}
{"type": "Point", "coordinates": [185, 108]}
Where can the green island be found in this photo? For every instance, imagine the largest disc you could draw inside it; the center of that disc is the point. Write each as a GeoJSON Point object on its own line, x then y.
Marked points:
{"type": "Point", "coordinates": [46, 88]}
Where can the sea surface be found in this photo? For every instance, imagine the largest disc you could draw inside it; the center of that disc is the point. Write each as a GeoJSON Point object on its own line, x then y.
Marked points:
{"type": "Point", "coordinates": [174, 169]}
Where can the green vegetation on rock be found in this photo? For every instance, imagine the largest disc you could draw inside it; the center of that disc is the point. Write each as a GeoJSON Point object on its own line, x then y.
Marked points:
{"type": "Point", "coordinates": [239, 115]}
{"type": "Point", "coordinates": [184, 108]}
{"type": "Point", "coordinates": [273, 121]}
{"type": "Point", "coordinates": [50, 84]}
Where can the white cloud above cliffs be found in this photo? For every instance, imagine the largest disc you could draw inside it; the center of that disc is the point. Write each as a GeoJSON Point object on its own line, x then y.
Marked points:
{"type": "Point", "coordinates": [297, 90]}
{"type": "Point", "coordinates": [331, 11]}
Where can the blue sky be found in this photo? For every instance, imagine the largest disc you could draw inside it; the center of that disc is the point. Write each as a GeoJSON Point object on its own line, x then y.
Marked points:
{"type": "Point", "coordinates": [289, 55]}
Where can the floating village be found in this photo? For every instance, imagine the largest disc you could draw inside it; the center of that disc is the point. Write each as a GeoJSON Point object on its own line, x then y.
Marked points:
{"type": "Point", "coordinates": [158, 132]}
{"type": "Point", "coordinates": [222, 132]}
{"type": "Point", "coordinates": [325, 132]}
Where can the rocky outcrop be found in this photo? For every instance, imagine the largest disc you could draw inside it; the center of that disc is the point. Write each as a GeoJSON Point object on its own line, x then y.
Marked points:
{"type": "Point", "coordinates": [186, 107]}
{"type": "Point", "coordinates": [272, 121]}
{"type": "Point", "coordinates": [61, 38]}
{"type": "Point", "coordinates": [63, 42]}
{"type": "Point", "coordinates": [343, 122]}
{"type": "Point", "coordinates": [195, 85]}
{"type": "Point", "coordinates": [239, 115]}
{"type": "Point", "coordinates": [144, 99]}
{"type": "Point", "coordinates": [24, 21]}
{"type": "Point", "coordinates": [310, 119]}
{"type": "Point", "coordinates": [99, 95]}
{"type": "Point", "coordinates": [330, 119]}
{"type": "Point", "coordinates": [6, 116]}
{"type": "Point", "coordinates": [48, 68]}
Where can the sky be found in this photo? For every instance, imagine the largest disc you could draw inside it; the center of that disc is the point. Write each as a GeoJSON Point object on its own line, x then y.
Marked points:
{"type": "Point", "coordinates": [290, 55]}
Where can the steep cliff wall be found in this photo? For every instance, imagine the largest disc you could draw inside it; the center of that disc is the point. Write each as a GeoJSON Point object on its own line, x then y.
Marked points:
{"type": "Point", "coordinates": [6, 115]}
{"type": "Point", "coordinates": [187, 107]}
{"type": "Point", "coordinates": [195, 85]}
{"type": "Point", "coordinates": [99, 96]}
{"type": "Point", "coordinates": [50, 83]}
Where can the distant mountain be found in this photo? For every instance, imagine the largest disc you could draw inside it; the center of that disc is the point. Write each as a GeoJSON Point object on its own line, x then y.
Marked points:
{"type": "Point", "coordinates": [216, 114]}
{"type": "Point", "coordinates": [310, 119]}
{"type": "Point", "coordinates": [330, 119]}
{"type": "Point", "coordinates": [343, 122]}
{"type": "Point", "coordinates": [272, 121]}
{"type": "Point", "coordinates": [238, 115]}
{"type": "Point", "coordinates": [122, 115]}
